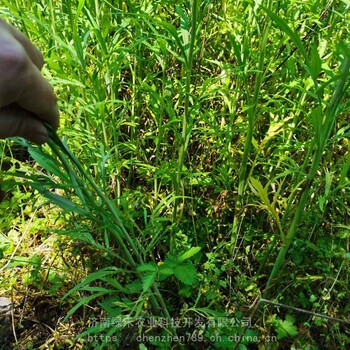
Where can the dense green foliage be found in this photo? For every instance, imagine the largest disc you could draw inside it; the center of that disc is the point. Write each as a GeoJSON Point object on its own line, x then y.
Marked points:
{"type": "Point", "coordinates": [200, 175]}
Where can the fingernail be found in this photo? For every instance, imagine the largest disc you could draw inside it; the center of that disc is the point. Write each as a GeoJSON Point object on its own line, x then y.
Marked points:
{"type": "Point", "coordinates": [39, 138]}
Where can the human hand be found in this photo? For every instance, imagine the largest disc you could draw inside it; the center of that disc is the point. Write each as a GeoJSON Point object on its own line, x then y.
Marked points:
{"type": "Point", "coordinates": [26, 98]}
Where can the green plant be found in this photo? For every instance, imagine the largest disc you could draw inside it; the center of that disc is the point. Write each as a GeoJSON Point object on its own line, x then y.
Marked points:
{"type": "Point", "coordinates": [172, 265]}
{"type": "Point", "coordinates": [200, 172]}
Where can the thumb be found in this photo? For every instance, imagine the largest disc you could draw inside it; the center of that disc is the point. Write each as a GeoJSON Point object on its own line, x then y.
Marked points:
{"type": "Point", "coordinates": [15, 121]}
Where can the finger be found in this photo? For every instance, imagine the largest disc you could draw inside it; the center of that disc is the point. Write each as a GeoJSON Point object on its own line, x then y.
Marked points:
{"type": "Point", "coordinates": [14, 121]}
{"type": "Point", "coordinates": [37, 96]}
{"type": "Point", "coordinates": [33, 53]}
{"type": "Point", "coordinates": [22, 82]}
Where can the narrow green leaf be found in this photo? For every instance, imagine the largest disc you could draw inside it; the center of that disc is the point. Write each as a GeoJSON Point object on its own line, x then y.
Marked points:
{"type": "Point", "coordinates": [60, 201]}
{"type": "Point", "coordinates": [83, 301]}
{"type": "Point", "coordinates": [293, 35]}
{"type": "Point", "coordinates": [173, 32]}
{"type": "Point", "coordinates": [191, 252]}
{"type": "Point", "coordinates": [97, 289]}
{"type": "Point", "coordinates": [328, 184]}
{"type": "Point", "coordinates": [316, 63]}
{"type": "Point", "coordinates": [321, 202]}
{"type": "Point", "coordinates": [317, 123]}
{"type": "Point", "coordinates": [261, 192]}
{"type": "Point", "coordinates": [108, 271]}
{"type": "Point", "coordinates": [47, 162]}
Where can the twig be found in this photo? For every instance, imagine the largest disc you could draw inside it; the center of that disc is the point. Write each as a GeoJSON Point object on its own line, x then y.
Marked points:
{"type": "Point", "coordinates": [304, 311]}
